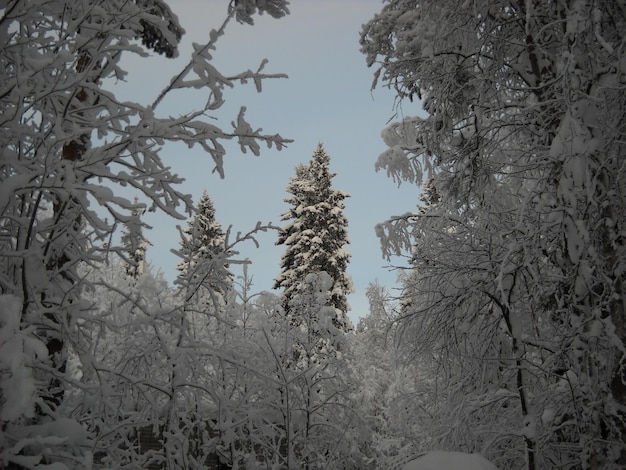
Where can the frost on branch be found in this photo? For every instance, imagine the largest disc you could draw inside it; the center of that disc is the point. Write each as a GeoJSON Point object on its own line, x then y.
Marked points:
{"type": "Point", "coordinates": [72, 156]}
{"type": "Point", "coordinates": [245, 9]}
{"type": "Point", "coordinates": [402, 160]}
{"type": "Point", "coordinates": [200, 73]}
{"type": "Point", "coordinates": [520, 260]}
{"type": "Point", "coordinates": [19, 350]}
{"type": "Point", "coordinates": [161, 36]}
{"type": "Point", "coordinates": [396, 235]}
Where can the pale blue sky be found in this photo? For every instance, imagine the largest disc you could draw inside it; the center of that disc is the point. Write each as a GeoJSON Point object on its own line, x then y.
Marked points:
{"type": "Point", "coordinates": [326, 99]}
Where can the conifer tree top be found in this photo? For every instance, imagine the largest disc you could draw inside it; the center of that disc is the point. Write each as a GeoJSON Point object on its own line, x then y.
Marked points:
{"type": "Point", "coordinates": [315, 234]}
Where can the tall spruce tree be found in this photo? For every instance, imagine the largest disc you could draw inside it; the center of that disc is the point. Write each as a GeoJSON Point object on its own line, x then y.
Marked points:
{"type": "Point", "coordinates": [315, 236]}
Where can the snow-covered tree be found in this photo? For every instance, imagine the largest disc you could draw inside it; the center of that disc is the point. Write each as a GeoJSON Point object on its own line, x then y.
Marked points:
{"type": "Point", "coordinates": [204, 235]}
{"type": "Point", "coordinates": [134, 243]}
{"type": "Point", "coordinates": [67, 144]}
{"type": "Point", "coordinates": [169, 389]}
{"type": "Point", "coordinates": [518, 290]}
{"type": "Point", "coordinates": [203, 268]}
{"type": "Point", "coordinates": [395, 390]}
{"type": "Point", "coordinates": [314, 238]}
{"type": "Point", "coordinates": [318, 419]}
{"type": "Point", "coordinates": [121, 360]}
{"type": "Point", "coordinates": [223, 362]}
{"type": "Point", "coordinates": [311, 331]}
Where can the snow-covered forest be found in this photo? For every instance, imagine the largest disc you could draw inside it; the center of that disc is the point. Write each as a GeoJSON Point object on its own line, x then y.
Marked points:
{"type": "Point", "coordinates": [507, 337]}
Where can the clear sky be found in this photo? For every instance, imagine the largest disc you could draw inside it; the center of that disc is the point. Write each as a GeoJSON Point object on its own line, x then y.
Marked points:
{"type": "Point", "coordinates": [326, 99]}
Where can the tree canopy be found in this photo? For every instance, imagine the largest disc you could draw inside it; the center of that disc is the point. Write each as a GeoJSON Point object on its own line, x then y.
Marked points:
{"type": "Point", "coordinates": [70, 152]}
{"type": "Point", "coordinates": [518, 286]}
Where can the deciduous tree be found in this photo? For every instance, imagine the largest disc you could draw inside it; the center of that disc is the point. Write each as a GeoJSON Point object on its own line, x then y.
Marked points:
{"type": "Point", "coordinates": [67, 144]}
{"type": "Point", "coordinates": [134, 243]}
{"type": "Point", "coordinates": [518, 283]}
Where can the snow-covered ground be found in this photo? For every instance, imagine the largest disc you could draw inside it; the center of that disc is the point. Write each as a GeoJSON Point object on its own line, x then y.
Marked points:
{"type": "Point", "coordinates": [438, 460]}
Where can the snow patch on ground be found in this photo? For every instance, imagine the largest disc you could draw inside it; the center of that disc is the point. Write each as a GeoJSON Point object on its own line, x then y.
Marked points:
{"type": "Point", "coordinates": [439, 460]}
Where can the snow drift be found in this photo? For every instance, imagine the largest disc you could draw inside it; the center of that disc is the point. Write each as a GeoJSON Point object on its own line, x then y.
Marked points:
{"type": "Point", "coordinates": [439, 460]}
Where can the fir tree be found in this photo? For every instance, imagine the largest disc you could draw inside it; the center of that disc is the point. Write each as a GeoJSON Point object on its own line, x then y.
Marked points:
{"type": "Point", "coordinates": [202, 248]}
{"type": "Point", "coordinates": [314, 237]}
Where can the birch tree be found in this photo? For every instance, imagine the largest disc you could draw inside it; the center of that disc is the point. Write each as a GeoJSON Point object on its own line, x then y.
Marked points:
{"type": "Point", "coordinates": [318, 417]}
{"type": "Point", "coordinates": [67, 146]}
{"type": "Point", "coordinates": [518, 277]}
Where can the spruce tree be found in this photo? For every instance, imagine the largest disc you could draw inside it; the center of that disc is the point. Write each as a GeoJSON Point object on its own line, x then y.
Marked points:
{"type": "Point", "coordinates": [314, 237]}
{"type": "Point", "coordinates": [202, 248]}
{"type": "Point", "coordinates": [314, 283]}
